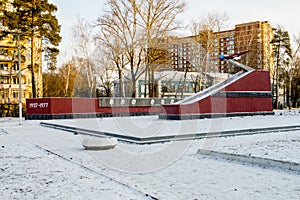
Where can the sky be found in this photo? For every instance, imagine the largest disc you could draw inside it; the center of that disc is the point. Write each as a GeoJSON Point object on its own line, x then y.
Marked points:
{"type": "Point", "coordinates": [277, 12]}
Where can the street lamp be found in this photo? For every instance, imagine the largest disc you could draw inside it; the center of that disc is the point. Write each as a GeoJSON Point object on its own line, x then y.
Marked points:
{"type": "Point", "coordinates": [20, 77]}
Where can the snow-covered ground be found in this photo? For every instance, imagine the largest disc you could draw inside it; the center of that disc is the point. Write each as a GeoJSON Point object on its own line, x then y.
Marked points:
{"type": "Point", "coordinates": [43, 163]}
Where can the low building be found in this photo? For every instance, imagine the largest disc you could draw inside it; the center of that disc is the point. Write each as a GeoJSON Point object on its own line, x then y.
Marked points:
{"type": "Point", "coordinates": [172, 84]}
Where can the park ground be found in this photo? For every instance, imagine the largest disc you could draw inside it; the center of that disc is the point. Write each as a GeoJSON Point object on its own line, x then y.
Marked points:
{"type": "Point", "coordinates": [43, 163]}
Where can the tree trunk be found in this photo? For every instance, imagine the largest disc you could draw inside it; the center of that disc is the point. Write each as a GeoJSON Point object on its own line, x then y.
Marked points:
{"type": "Point", "coordinates": [120, 83]}
{"type": "Point", "coordinates": [67, 81]}
{"type": "Point", "coordinates": [277, 78]}
{"type": "Point", "coordinates": [133, 94]}
{"type": "Point", "coordinates": [32, 66]}
{"type": "Point", "coordinates": [152, 84]}
{"type": "Point", "coordinates": [289, 99]}
{"type": "Point", "coordinates": [145, 83]}
{"type": "Point", "coordinates": [183, 84]}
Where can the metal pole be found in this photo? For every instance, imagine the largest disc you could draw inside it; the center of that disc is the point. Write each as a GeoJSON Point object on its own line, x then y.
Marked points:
{"type": "Point", "coordinates": [20, 82]}
{"type": "Point", "coordinates": [20, 77]}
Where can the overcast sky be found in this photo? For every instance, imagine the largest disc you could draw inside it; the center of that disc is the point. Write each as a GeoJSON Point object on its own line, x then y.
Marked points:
{"type": "Point", "coordinates": [277, 12]}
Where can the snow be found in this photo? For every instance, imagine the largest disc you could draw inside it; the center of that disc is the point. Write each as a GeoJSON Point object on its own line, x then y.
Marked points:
{"type": "Point", "coordinates": [43, 163]}
{"type": "Point", "coordinates": [151, 126]}
{"type": "Point", "coordinates": [280, 146]}
{"type": "Point", "coordinates": [32, 173]}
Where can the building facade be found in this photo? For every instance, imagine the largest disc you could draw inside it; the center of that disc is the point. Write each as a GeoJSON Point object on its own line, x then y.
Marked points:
{"type": "Point", "coordinates": [257, 37]}
{"type": "Point", "coordinates": [197, 53]}
{"type": "Point", "coordinates": [194, 59]}
{"type": "Point", "coordinates": [9, 72]}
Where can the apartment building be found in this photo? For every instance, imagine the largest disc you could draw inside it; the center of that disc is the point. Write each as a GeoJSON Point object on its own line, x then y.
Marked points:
{"type": "Point", "coordinates": [196, 53]}
{"type": "Point", "coordinates": [9, 71]}
{"type": "Point", "coordinates": [257, 37]}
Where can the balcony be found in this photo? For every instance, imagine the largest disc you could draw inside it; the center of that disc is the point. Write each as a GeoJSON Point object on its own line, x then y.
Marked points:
{"type": "Point", "coordinates": [6, 58]}
{"type": "Point", "coordinates": [12, 86]}
{"type": "Point", "coordinates": [4, 72]}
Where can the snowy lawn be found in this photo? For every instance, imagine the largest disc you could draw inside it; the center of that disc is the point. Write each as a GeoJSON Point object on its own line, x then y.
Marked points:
{"type": "Point", "coordinates": [43, 163]}
{"type": "Point", "coordinates": [28, 172]}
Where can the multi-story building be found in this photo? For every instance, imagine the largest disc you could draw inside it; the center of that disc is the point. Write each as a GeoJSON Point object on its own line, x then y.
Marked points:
{"type": "Point", "coordinates": [195, 53]}
{"type": "Point", "coordinates": [9, 80]}
{"type": "Point", "coordinates": [198, 54]}
{"type": "Point", "coordinates": [257, 37]}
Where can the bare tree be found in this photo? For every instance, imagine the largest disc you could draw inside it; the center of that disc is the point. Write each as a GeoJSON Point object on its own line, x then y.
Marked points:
{"type": "Point", "coordinates": [83, 34]}
{"type": "Point", "coordinates": [106, 71]}
{"type": "Point", "coordinates": [291, 71]}
{"type": "Point", "coordinates": [204, 43]}
{"type": "Point", "coordinates": [295, 84]}
{"type": "Point", "coordinates": [105, 83]}
{"type": "Point", "coordinates": [158, 18]}
{"type": "Point", "coordinates": [111, 48]}
{"type": "Point", "coordinates": [135, 24]}
{"type": "Point", "coordinates": [68, 73]}
{"type": "Point", "coordinates": [120, 21]}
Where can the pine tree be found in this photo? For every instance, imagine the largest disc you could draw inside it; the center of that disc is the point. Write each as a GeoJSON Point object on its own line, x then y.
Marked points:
{"type": "Point", "coordinates": [37, 18]}
{"type": "Point", "coordinates": [282, 52]}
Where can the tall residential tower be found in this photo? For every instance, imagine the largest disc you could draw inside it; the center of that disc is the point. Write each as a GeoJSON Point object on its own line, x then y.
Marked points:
{"type": "Point", "coordinates": [196, 53]}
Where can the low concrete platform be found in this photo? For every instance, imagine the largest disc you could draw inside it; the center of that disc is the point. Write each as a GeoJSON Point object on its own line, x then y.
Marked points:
{"type": "Point", "coordinates": [149, 130]}
{"type": "Point", "coordinates": [212, 115]}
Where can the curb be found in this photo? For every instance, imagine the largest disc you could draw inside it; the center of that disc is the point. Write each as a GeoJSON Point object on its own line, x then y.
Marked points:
{"type": "Point", "coordinates": [263, 162]}
{"type": "Point", "coordinates": [169, 138]}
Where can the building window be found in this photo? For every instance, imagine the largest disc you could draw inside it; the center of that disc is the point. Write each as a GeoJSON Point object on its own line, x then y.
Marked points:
{"type": "Point", "coordinates": [187, 88]}
{"type": "Point", "coordinates": [4, 52]}
{"type": "Point", "coordinates": [15, 81]}
{"type": "Point", "coordinates": [2, 94]}
{"type": "Point", "coordinates": [3, 80]}
{"type": "Point", "coordinates": [172, 88]}
{"type": "Point", "coordinates": [15, 94]}
{"type": "Point", "coordinates": [3, 66]}
{"type": "Point", "coordinates": [15, 67]}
